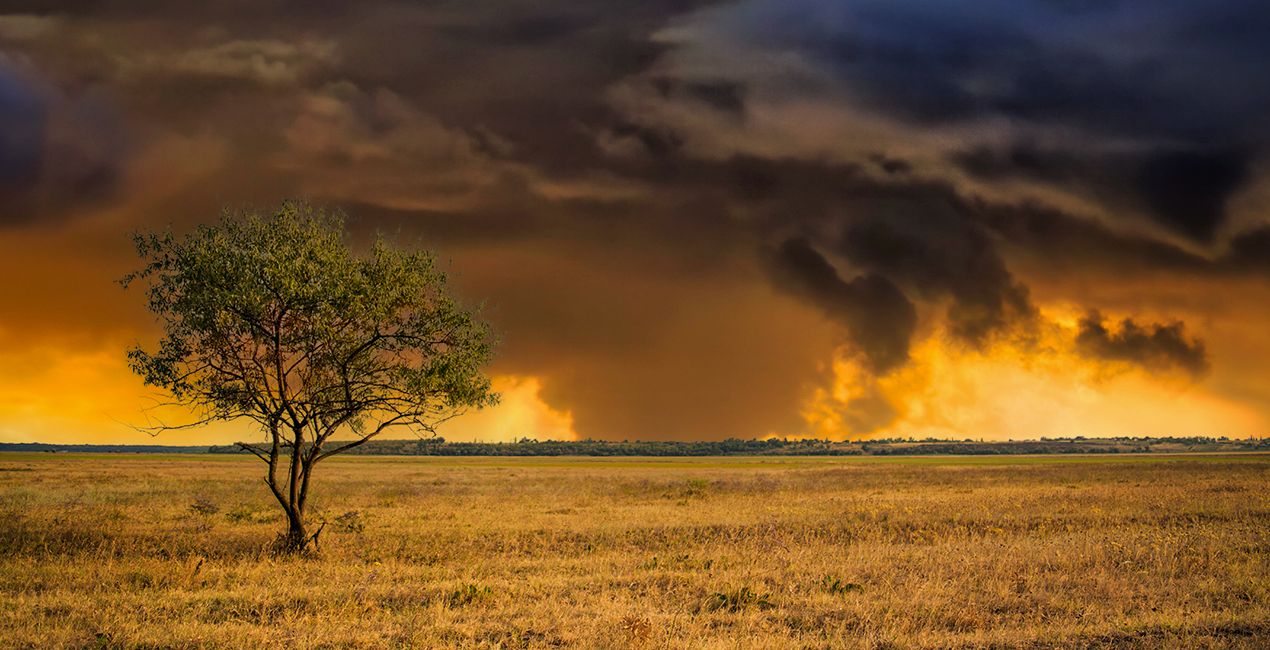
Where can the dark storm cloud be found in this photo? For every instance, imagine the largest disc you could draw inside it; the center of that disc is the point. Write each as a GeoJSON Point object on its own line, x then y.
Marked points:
{"type": "Point", "coordinates": [1188, 190]}
{"type": "Point", "coordinates": [1180, 77]}
{"type": "Point", "coordinates": [616, 250]}
{"type": "Point", "coordinates": [1153, 346]}
{"type": "Point", "coordinates": [921, 235]}
{"type": "Point", "coordinates": [1250, 250]}
{"type": "Point", "coordinates": [1184, 189]}
{"type": "Point", "coordinates": [1063, 242]}
{"type": "Point", "coordinates": [661, 144]}
{"type": "Point", "coordinates": [720, 94]}
{"type": "Point", "coordinates": [1177, 80]}
{"type": "Point", "coordinates": [877, 315]}
{"type": "Point", "coordinates": [890, 165]}
{"type": "Point", "coordinates": [22, 125]}
{"type": "Point", "coordinates": [534, 73]}
{"type": "Point", "coordinates": [943, 257]}
{"type": "Point", "coordinates": [56, 152]}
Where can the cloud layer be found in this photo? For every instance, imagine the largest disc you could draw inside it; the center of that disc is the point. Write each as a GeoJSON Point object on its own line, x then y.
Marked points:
{"type": "Point", "coordinates": [684, 217]}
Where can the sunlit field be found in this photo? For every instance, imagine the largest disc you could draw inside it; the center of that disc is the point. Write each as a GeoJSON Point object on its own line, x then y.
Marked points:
{"type": "Point", "coordinates": [1036, 552]}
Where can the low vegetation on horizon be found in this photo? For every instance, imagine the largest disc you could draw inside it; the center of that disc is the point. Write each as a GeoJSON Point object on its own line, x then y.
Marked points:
{"type": "Point", "coordinates": [729, 447]}
{"type": "Point", "coordinates": [162, 551]}
{"type": "Point", "coordinates": [790, 447]}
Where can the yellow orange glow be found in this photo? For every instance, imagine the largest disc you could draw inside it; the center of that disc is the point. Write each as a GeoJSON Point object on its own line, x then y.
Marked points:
{"type": "Point", "coordinates": [521, 413]}
{"type": "Point", "coordinates": [1025, 388]}
{"type": "Point", "coordinates": [1032, 388]}
{"type": "Point", "coordinates": [52, 395]}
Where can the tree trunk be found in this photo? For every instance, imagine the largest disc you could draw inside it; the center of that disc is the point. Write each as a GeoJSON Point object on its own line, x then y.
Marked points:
{"type": "Point", "coordinates": [297, 537]}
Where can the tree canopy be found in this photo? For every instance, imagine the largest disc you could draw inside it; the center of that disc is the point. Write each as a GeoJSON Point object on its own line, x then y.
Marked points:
{"type": "Point", "coordinates": [275, 319]}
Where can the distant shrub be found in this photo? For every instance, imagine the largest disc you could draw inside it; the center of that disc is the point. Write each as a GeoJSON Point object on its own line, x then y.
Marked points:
{"type": "Point", "coordinates": [351, 522]}
{"type": "Point", "coordinates": [835, 585]}
{"type": "Point", "coordinates": [695, 488]}
{"type": "Point", "coordinates": [737, 600]}
{"type": "Point", "coordinates": [242, 513]}
{"type": "Point", "coordinates": [204, 507]}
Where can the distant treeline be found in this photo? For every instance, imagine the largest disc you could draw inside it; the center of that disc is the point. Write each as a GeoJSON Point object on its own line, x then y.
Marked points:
{"type": "Point", "coordinates": [783, 447]}
{"type": "Point", "coordinates": [109, 449]}
{"type": "Point", "coordinates": [729, 447]}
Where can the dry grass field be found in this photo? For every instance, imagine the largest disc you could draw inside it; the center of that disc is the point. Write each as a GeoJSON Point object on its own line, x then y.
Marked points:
{"type": "Point", "coordinates": [173, 551]}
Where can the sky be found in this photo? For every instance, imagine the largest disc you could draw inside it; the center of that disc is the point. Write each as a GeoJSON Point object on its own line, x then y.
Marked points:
{"type": "Point", "coordinates": [697, 220]}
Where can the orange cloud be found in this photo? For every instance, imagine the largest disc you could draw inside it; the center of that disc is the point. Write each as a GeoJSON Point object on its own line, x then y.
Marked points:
{"type": "Point", "coordinates": [1019, 390]}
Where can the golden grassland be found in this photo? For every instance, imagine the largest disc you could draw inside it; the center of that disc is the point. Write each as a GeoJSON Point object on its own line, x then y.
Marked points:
{"type": "Point", "coordinates": [173, 551]}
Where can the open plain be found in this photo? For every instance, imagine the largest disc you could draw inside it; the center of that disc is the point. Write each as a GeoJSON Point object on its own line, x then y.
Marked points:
{"type": "Point", "coordinates": [930, 552]}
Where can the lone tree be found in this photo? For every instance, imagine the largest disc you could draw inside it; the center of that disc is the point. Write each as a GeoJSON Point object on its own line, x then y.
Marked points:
{"type": "Point", "coordinates": [275, 320]}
